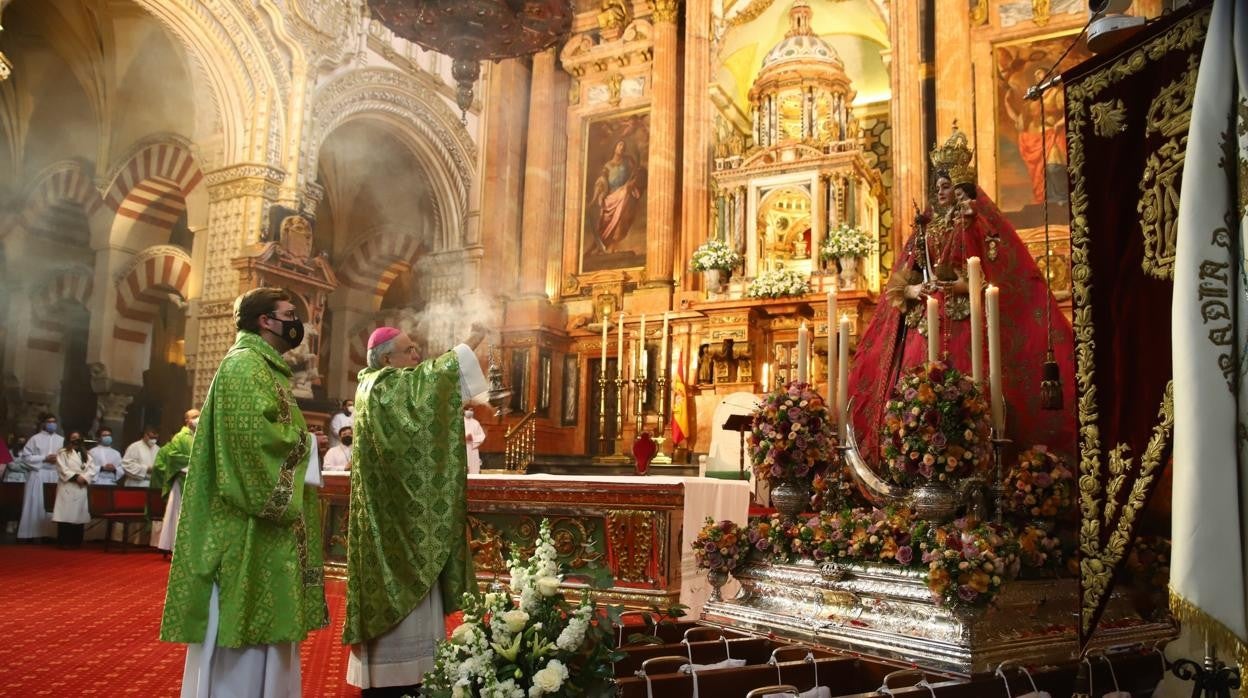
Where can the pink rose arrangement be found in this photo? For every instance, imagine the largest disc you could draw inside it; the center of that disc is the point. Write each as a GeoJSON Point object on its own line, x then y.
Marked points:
{"type": "Point", "coordinates": [793, 433]}
{"type": "Point", "coordinates": [935, 426]}
{"type": "Point", "coordinates": [720, 547]}
{"type": "Point", "coordinates": [1040, 485]}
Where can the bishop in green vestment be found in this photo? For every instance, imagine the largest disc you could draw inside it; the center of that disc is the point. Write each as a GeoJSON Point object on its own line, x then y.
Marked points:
{"type": "Point", "coordinates": [408, 561]}
{"type": "Point", "coordinates": [246, 584]}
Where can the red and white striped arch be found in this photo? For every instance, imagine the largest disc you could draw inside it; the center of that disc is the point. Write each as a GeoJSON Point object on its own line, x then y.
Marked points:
{"type": "Point", "coordinates": [152, 187]}
{"type": "Point", "coordinates": [375, 263]}
{"type": "Point", "coordinates": [47, 332]}
{"type": "Point", "coordinates": [156, 272]}
{"type": "Point", "coordinates": [61, 196]}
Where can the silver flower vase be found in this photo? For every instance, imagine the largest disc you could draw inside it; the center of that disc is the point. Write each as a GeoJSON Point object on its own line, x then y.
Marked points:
{"type": "Point", "coordinates": [717, 578]}
{"type": "Point", "coordinates": [935, 501]}
{"type": "Point", "coordinates": [790, 498]}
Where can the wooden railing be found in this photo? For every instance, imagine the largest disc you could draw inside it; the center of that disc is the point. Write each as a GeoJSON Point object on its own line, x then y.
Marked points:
{"type": "Point", "coordinates": [519, 444]}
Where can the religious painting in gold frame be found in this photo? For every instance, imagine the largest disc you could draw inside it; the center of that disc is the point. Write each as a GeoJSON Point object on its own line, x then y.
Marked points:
{"type": "Point", "coordinates": [1024, 155]}
{"type": "Point", "coordinates": [613, 191]}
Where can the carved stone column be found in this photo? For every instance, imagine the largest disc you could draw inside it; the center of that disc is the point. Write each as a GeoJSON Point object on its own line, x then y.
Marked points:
{"type": "Point", "coordinates": [503, 129]}
{"type": "Point", "coordinates": [110, 409]}
{"type": "Point", "coordinates": [698, 137]}
{"type": "Point", "coordinates": [908, 109]}
{"type": "Point", "coordinates": [664, 118]}
{"type": "Point", "coordinates": [543, 172]}
{"type": "Point", "coordinates": [239, 197]}
{"type": "Point", "coordinates": [953, 69]}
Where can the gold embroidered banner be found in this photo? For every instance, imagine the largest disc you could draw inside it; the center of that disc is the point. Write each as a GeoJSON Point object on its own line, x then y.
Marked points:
{"type": "Point", "coordinates": [1126, 120]}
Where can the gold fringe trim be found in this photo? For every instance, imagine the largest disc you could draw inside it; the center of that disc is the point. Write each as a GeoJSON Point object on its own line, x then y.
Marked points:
{"type": "Point", "coordinates": [1225, 642]}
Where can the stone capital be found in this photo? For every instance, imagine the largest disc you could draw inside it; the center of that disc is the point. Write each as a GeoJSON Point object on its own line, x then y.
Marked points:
{"type": "Point", "coordinates": [243, 180]}
{"type": "Point", "coordinates": [665, 10]}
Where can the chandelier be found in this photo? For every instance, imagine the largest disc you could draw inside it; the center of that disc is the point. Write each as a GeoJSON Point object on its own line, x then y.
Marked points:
{"type": "Point", "coordinates": [471, 31]}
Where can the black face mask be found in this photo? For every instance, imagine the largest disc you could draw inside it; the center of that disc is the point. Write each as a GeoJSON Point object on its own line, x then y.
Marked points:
{"type": "Point", "coordinates": [292, 331]}
{"type": "Point", "coordinates": [346, 440]}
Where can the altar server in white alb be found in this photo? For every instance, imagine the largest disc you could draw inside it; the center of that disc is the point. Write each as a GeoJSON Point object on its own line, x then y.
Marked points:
{"type": "Point", "coordinates": [474, 436]}
{"type": "Point", "coordinates": [71, 512]}
{"type": "Point", "coordinates": [338, 458]}
{"type": "Point", "coordinates": [107, 459]}
{"type": "Point", "coordinates": [140, 458]}
{"type": "Point", "coordinates": [344, 418]}
{"type": "Point", "coordinates": [39, 457]}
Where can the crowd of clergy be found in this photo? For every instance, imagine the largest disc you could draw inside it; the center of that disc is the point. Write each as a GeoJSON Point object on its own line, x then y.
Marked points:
{"type": "Point", "coordinates": [75, 460]}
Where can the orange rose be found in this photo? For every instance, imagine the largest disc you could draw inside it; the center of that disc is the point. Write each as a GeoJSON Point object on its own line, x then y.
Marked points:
{"type": "Point", "coordinates": [979, 582]}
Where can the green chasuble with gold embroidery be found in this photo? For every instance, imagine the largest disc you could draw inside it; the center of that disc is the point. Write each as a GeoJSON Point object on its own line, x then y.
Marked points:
{"type": "Point", "coordinates": [248, 522]}
{"type": "Point", "coordinates": [408, 520]}
{"type": "Point", "coordinates": [172, 458]}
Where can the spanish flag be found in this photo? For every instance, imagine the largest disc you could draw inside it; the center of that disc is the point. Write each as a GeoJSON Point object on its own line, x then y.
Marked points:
{"type": "Point", "coordinates": [680, 400]}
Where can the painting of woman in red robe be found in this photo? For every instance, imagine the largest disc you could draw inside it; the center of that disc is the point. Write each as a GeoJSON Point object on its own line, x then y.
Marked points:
{"type": "Point", "coordinates": [965, 223]}
{"type": "Point", "coordinates": [614, 227]}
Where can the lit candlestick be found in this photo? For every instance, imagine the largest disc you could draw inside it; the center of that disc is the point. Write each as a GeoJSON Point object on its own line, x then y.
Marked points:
{"type": "Point", "coordinates": [803, 346]}
{"type": "Point", "coordinates": [766, 377]}
{"type": "Point", "coordinates": [606, 324]}
{"type": "Point", "coordinates": [619, 355]}
{"type": "Point", "coordinates": [663, 344]}
{"type": "Point", "coordinates": [645, 364]}
{"type": "Point", "coordinates": [975, 282]}
{"type": "Point", "coordinates": [933, 330]}
{"type": "Point", "coordinates": [632, 360]}
{"type": "Point", "coordinates": [842, 376]}
{"type": "Point", "coordinates": [993, 303]}
{"type": "Point", "coordinates": [832, 352]}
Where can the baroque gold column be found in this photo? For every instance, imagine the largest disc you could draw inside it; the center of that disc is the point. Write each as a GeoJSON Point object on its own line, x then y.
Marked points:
{"type": "Point", "coordinates": [906, 79]}
{"type": "Point", "coordinates": [664, 116]}
{"type": "Point", "coordinates": [544, 170]}
{"type": "Point", "coordinates": [953, 70]}
{"type": "Point", "coordinates": [698, 137]}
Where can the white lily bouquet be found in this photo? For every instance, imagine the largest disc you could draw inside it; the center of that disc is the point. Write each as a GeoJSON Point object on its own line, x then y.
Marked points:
{"type": "Point", "coordinates": [846, 241]}
{"type": "Point", "coordinates": [538, 645]}
{"type": "Point", "coordinates": [779, 283]}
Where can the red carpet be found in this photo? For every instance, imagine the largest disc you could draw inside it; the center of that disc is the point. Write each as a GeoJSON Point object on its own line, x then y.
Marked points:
{"type": "Point", "coordinates": [85, 623]}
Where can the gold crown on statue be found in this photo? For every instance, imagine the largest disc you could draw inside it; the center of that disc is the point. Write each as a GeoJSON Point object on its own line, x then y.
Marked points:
{"type": "Point", "coordinates": [955, 158]}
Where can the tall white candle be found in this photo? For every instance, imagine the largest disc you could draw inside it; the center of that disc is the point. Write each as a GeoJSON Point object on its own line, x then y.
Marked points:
{"type": "Point", "coordinates": [766, 377]}
{"type": "Point", "coordinates": [803, 351]}
{"type": "Point", "coordinates": [645, 364]}
{"type": "Point", "coordinates": [933, 329]}
{"type": "Point", "coordinates": [643, 329]}
{"type": "Point", "coordinates": [619, 355]}
{"type": "Point", "coordinates": [663, 346]}
{"type": "Point", "coordinates": [832, 351]}
{"type": "Point", "coordinates": [632, 361]}
{"type": "Point", "coordinates": [975, 283]}
{"type": "Point", "coordinates": [842, 376]}
{"type": "Point", "coordinates": [993, 302]}
{"type": "Point", "coordinates": [606, 324]}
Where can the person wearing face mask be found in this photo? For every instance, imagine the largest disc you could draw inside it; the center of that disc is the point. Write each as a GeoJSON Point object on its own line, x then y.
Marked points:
{"type": "Point", "coordinates": [338, 459]}
{"type": "Point", "coordinates": [345, 418]}
{"type": "Point", "coordinates": [107, 459]}
{"type": "Point", "coordinates": [171, 465]}
{"type": "Point", "coordinates": [474, 436]}
{"type": "Point", "coordinates": [140, 458]}
{"type": "Point", "coordinates": [246, 585]}
{"type": "Point", "coordinates": [39, 457]}
{"type": "Point", "coordinates": [76, 469]}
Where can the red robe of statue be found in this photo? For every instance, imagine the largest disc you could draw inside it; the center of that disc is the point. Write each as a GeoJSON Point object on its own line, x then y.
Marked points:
{"type": "Point", "coordinates": [896, 338]}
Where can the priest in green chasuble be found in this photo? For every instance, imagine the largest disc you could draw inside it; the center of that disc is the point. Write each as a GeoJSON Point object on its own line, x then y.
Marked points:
{"type": "Point", "coordinates": [408, 561]}
{"type": "Point", "coordinates": [246, 584]}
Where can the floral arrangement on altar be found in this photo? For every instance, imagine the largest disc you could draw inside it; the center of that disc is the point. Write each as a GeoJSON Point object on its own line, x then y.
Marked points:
{"type": "Point", "coordinates": [1037, 550]}
{"type": "Point", "coordinates": [720, 547]}
{"type": "Point", "coordinates": [537, 646]}
{"type": "Point", "coordinates": [845, 241]}
{"type": "Point", "coordinates": [967, 561]}
{"type": "Point", "coordinates": [1039, 486]}
{"type": "Point", "coordinates": [935, 426]}
{"type": "Point", "coordinates": [778, 283]}
{"type": "Point", "coordinates": [715, 254]}
{"type": "Point", "coordinates": [791, 434]}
